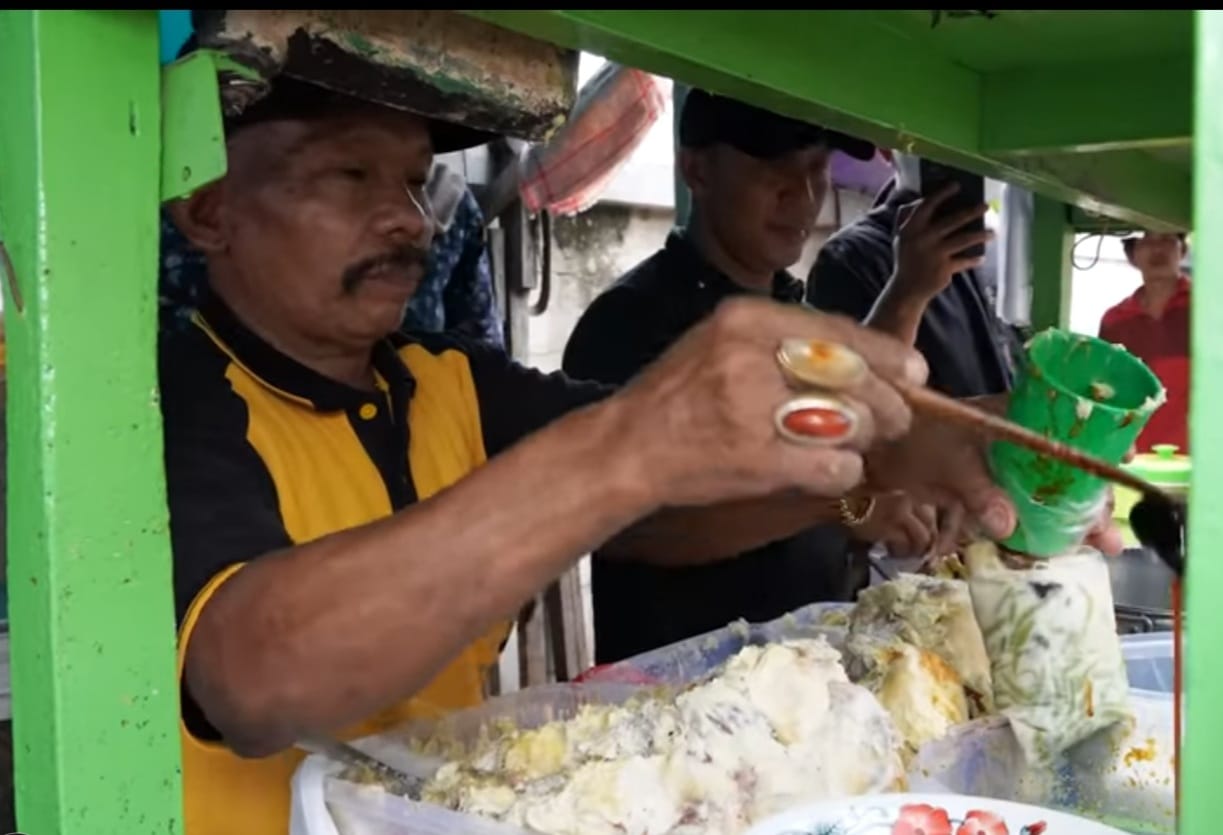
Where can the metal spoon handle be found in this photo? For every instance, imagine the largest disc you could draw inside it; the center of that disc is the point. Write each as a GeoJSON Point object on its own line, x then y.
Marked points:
{"type": "Point", "coordinates": [402, 782]}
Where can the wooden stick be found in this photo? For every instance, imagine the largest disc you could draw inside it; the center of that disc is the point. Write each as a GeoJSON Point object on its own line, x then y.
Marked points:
{"type": "Point", "coordinates": [936, 405]}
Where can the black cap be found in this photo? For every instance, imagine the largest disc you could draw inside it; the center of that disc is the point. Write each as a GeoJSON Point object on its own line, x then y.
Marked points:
{"type": "Point", "coordinates": [708, 119]}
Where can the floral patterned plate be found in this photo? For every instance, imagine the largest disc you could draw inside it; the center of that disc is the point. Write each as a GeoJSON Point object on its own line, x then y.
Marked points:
{"type": "Point", "coordinates": [927, 814]}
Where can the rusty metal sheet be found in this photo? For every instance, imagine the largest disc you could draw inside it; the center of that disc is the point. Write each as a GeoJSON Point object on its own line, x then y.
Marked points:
{"type": "Point", "coordinates": [442, 64]}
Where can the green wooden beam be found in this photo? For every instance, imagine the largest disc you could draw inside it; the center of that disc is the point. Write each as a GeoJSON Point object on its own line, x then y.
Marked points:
{"type": "Point", "coordinates": [95, 695]}
{"type": "Point", "coordinates": [822, 65]}
{"type": "Point", "coordinates": [1158, 194]}
{"type": "Point", "coordinates": [1052, 271]}
{"type": "Point", "coordinates": [862, 73]}
{"type": "Point", "coordinates": [1092, 106]}
{"type": "Point", "coordinates": [1201, 800]}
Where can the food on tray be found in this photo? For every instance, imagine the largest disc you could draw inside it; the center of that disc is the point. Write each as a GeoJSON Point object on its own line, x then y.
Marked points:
{"type": "Point", "coordinates": [1058, 671]}
{"type": "Point", "coordinates": [777, 726]}
{"type": "Point", "coordinates": [930, 613]}
{"type": "Point", "coordinates": [923, 694]}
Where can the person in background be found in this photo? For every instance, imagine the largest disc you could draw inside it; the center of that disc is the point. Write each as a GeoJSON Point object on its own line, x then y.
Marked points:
{"type": "Point", "coordinates": [927, 297]}
{"type": "Point", "coordinates": [457, 293]}
{"type": "Point", "coordinates": [758, 181]}
{"type": "Point", "coordinates": [1153, 324]}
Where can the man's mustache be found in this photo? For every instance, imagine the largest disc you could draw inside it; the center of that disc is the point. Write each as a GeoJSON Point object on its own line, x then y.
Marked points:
{"type": "Point", "coordinates": [403, 256]}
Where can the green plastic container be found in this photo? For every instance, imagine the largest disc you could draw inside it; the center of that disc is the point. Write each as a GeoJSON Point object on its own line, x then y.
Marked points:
{"type": "Point", "coordinates": [1087, 393]}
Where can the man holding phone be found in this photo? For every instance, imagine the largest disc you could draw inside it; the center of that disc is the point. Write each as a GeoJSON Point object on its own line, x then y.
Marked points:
{"type": "Point", "coordinates": [909, 268]}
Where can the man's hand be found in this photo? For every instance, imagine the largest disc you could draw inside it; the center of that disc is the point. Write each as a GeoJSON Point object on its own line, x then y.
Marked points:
{"type": "Point", "coordinates": [927, 256]}
{"type": "Point", "coordinates": [905, 527]}
{"type": "Point", "coordinates": [699, 423]}
{"type": "Point", "coordinates": [945, 465]}
{"type": "Point", "coordinates": [928, 248]}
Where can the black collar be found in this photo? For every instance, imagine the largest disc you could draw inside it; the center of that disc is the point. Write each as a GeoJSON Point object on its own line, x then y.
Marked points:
{"type": "Point", "coordinates": [286, 375]}
{"type": "Point", "coordinates": [693, 267]}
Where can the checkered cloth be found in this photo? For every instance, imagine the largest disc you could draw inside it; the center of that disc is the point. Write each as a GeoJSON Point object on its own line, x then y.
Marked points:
{"type": "Point", "coordinates": [614, 112]}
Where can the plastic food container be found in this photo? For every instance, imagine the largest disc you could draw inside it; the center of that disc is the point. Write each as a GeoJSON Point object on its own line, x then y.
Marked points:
{"type": "Point", "coordinates": [1122, 777]}
{"type": "Point", "coordinates": [1084, 392]}
{"type": "Point", "coordinates": [686, 661]}
{"type": "Point", "coordinates": [1148, 664]}
{"type": "Point", "coordinates": [324, 804]}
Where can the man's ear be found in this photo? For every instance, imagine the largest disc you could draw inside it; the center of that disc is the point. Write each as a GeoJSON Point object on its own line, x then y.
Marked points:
{"type": "Point", "coordinates": [198, 217]}
{"type": "Point", "coordinates": [694, 167]}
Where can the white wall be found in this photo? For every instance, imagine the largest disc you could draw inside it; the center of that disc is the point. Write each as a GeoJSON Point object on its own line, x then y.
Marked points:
{"type": "Point", "coordinates": [1102, 277]}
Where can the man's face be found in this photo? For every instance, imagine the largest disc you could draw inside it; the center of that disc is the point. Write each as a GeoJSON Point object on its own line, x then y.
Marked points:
{"type": "Point", "coordinates": [1157, 252]}
{"type": "Point", "coordinates": [323, 227]}
{"type": "Point", "coordinates": [765, 210]}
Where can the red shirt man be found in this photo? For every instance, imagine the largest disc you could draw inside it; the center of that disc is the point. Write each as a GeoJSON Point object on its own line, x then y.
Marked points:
{"type": "Point", "coordinates": [1153, 324]}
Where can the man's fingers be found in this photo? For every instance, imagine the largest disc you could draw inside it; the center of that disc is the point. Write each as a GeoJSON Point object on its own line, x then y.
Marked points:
{"type": "Point", "coordinates": [1107, 540]}
{"type": "Point", "coordinates": [890, 417]}
{"type": "Point", "coordinates": [958, 243]}
{"type": "Point", "coordinates": [944, 226]}
{"type": "Point", "coordinates": [887, 356]}
{"type": "Point", "coordinates": [928, 514]}
{"type": "Point", "coordinates": [822, 472]}
{"type": "Point", "coordinates": [919, 535]}
{"type": "Point", "coordinates": [963, 265]}
{"type": "Point", "coordinates": [949, 529]}
{"type": "Point", "coordinates": [927, 205]}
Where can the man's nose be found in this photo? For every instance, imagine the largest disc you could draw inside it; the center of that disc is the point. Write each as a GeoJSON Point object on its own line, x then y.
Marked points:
{"type": "Point", "coordinates": [405, 213]}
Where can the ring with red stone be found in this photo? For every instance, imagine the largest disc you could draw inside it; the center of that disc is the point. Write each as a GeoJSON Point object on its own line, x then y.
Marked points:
{"type": "Point", "coordinates": [817, 363]}
{"type": "Point", "coordinates": [816, 420]}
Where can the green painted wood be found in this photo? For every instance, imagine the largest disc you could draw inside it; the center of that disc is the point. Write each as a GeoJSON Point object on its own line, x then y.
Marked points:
{"type": "Point", "coordinates": [95, 698]}
{"type": "Point", "coordinates": [876, 75]}
{"type": "Point", "coordinates": [192, 131]}
{"type": "Point", "coordinates": [1052, 270]}
{"type": "Point", "coordinates": [1089, 106]}
{"type": "Point", "coordinates": [1019, 39]}
{"type": "Point", "coordinates": [1201, 800]}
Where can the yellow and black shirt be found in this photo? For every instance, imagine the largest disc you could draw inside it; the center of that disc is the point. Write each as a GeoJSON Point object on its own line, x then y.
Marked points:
{"type": "Point", "coordinates": [262, 453]}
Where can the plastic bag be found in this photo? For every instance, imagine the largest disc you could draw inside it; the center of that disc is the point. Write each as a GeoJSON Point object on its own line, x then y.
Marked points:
{"type": "Point", "coordinates": [614, 113]}
{"type": "Point", "coordinates": [689, 660]}
{"type": "Point", "coordinates": [1055, 657]}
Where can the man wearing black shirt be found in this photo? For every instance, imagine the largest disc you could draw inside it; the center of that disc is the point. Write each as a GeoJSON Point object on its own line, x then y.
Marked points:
{"type": "Point", "coordinates": [930, 298]}
{"type": "Point", "coordinates": [758, 181]}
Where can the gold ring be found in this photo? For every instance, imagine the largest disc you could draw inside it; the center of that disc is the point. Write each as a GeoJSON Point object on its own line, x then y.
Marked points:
{"type": "Point", "coordinates": [816, 420]}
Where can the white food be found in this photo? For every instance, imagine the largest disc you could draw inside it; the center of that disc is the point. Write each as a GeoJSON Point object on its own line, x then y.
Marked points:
{"type": "Point", "coordinates": [1058, 671]}
{"type": "Point", "coordinates": [778, 726]}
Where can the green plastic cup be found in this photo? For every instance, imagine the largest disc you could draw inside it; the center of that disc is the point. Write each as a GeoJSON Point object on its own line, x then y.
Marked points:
{"type": "Point", "coordinates": [1087, 393]}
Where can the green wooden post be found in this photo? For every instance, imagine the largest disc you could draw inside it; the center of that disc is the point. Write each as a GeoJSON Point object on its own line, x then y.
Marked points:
{"type": "Point", "coordinates": [1052, 274]}
{"type": "Point", "coordinates": [1201, 800]}
{"type": "Point", "coordinates": [95, 697]}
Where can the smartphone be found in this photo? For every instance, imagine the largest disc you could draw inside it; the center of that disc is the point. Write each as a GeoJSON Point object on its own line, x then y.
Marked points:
{"type": "Point", "coordinates": [934, 176]}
